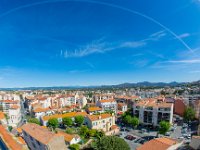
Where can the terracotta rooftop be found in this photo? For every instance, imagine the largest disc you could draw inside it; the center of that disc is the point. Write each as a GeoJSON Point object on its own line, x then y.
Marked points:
{"type": "Point", "coordinates": [98, 117]}
{"type": "Point", "coordinates": [153, 103]}
{"type": "Point", "coordinates": [158, 144]}
{"type": "Point", "coordinates": [127, 97]}
{"type": "Point", "coordinates": [10, 101]}
{"type": "Point", "coordinates": [121, 104]}
{"type": "Point", "coordinates": [2, 116]}
{"type": "Point", "coordinates": [30, 98]}
{"type": "Point", "coordinates": [68, 137]}
{"type": "Point", "coordinates": [91, 109]}
{"type": "Point", "coordinates": [14, 107]}
{"type": "Point", "coordinates": [70, 114]}
{"type": "Point", "coordinates": [107, 101]}
{"type": "Point", "coordinates": [114, 127]}
{"type": "Point", "coordinates": [19, 130]}
{"type": "Point", "coordinates": [21, 140]}
{"type": "Point", "coordinates": [41, 134]}
{"type": "Point", "coordinates": [9, 141]}
{"type": "Point", "coordinates": [196, 137]}
{"type": "Point", "coordinates": [41, 110]}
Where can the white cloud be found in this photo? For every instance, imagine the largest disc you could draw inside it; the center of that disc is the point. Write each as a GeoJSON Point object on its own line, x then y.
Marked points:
{"type": "Point", "coordinates": [133, 44]}
{"type": "Point", "coordinates": [191, 61]}
{"type": "Point", "coordinates": [184, 35]}
{"type": "Point", "coordinates": [100, 46]}
{"type": "Point", "coordinates": [157, 35]}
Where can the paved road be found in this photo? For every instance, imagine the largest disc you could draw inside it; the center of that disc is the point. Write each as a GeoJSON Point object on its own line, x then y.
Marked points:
{"type": "Point", "coordinates": [176, 133]}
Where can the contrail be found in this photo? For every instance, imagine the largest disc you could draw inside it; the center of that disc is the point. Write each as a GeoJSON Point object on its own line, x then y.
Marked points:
{"type": "Point", "coordinates": [105, 4]}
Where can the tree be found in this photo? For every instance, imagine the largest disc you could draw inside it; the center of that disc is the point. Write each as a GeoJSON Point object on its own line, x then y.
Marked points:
{"type": "Point", "coordinates": [67, 121]}
{"type": "Point", "coordinates": [84, 131]}
{"type": "Point", "coordinates": [69, 131]}
{"type": "Point", "coordinates": [34, 120]}
{"type": "Point", "coordinates": [99, 134]}
{"type": "Point", "coordinates": [74, 147]}
{"type": "Point", "coordinates": [92, 132]}
{"type": "Point", "coordinates": [112, 142]}
{"type": "Point", "coordinates": [128, 119]}
{"type": "Point", "coordinates": [134, 122]}
{"type": "Point", "coordinates": [189, 114]}
{"type": "Point", "coordinates": [79, 120]}
{"type": "Point", "coordinates": [53, 123]}
{"type": "Point", "coordinates": [10, 128]}
{"type": "Point", "coordinates": [164, 127]}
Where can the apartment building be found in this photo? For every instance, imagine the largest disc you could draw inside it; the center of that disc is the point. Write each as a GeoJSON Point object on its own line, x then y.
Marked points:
{"type": "Point", "coordinates": [14, 115]}
{"type": "Point", "coordinates": [40, 112]}
{"type": "Point", "coordinates": [39, 138]}
{"type": "Point", "coordinates": [152, 111]}
{"type": "Point", "coordinates": [129, 100]}
{"type": "Point", "coordinates": [105, 122]}
{"type": "Point", "coordinates": [45, 102]}
{"type": "Point", "coordinates": [107, 105]}
{"type": "Point", "coordinates": [12, 109]}
{"type": "Point", "coordinates": [179, 107]}
{"type": "Point", "coordinates": [122, 107]}
{"type": "Point", "coordinates": [197, 109]}
{"type": "Point", "coordinates": [98, 97]}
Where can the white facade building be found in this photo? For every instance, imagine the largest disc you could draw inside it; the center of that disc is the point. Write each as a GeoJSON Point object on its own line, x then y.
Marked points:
{"type": "Point", "coordinates": [152, 111]}
{"type": "Point", "coordinates": [107, 105]}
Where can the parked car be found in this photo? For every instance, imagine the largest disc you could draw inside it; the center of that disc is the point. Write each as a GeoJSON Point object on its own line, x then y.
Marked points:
{"type": "Point", "coordinates": [130, 137]}
{"type": "Point", "coordinates": [167, 133]}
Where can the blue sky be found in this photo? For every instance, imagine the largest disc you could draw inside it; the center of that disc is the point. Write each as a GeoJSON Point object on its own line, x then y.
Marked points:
{"type": "Point", "coordinates": [93, 42]}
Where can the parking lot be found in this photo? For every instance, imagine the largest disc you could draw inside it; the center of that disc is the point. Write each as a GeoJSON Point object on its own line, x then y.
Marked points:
{"type": "Point", "coordinates": [137, 137]}
{"type": "Point", "coordinates": [179, 130]}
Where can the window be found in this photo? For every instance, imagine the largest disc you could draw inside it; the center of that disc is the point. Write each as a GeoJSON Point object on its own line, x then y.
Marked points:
{"type": "Point", "coordinates": [31, 138]}
{"type": "Point", "coordinates": [38, 143]}
{"type": "Point", "coordinates": [25, 133]}
{"type": "Point", "coordinates": [34, 145]}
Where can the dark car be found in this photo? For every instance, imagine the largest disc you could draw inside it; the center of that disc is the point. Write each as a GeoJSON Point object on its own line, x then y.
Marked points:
{"type": "Point", "coordinates": [148, 138]}
{"type": "Point", "coordinates": [130, 137]}
{"type": "Point", "coordinates": [142, 141]}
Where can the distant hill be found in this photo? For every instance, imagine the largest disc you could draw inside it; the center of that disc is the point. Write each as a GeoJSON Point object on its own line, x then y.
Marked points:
{"type": "Point", "coordinates": [149, 84]}
{"type": "Point", "coordinates": [123, 85]}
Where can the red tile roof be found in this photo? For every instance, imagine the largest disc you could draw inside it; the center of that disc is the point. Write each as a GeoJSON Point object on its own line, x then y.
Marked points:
{"type": "Point", "coordinates": [2, 116]}
{"type": "Point", "coordinates": [70, 114]}
{"type": "Point", "coordinates": [41, 134]}
{"type": "Point", "coordinates": [91, 109]}
{"type": "Point", "coordinates": [8, 139]}
{"type": "Point", "coordinates": [107, 101]}
{"type": "Point", "coordinates": [98, 117]}
{"type": "Point", "coordinates": [158, 144]}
